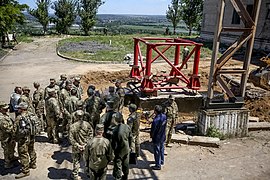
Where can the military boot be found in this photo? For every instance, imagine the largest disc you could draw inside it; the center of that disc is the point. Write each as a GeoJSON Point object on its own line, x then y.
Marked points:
{"type": "Point", "coordinates": [33, 166]}
{"type": "Point", "coordinates": [22, 175]}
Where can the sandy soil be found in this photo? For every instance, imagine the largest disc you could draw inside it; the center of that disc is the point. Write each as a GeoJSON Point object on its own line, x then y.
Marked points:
{"type": "Point", "coordinates": [243, 158]}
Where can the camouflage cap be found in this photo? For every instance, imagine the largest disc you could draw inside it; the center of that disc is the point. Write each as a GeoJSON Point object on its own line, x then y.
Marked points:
{"type": "Point", "coordinates": [3, 105]}
{"type": "Point", "coordinates": [36, 84]}
{"type": "Point", "coordinates": [118, 117]}
{"type": "Point", "coordinates": [118, 81]}
{"type": "Point", "coordinates": [91, 86]}
{"type": "Point", "coordinates": [26, 88]}
{"type": "Point", "coordinates": [99, 127]}
{"type": "Point", "coordinates": [68, 82]}
{"type": "Point", "coordinates": [22, 105]}
{"type": "Point", "coordinates": [90, 92]}
{"type": "Point", "coordinates": [79, 113]}
{"type": "Point", "coordinates": [52, 80]}
{"type": "Point", "coordinates": [133, 107]}
{"type": "Point", "coordinates": [111, 88]}
{"type": "Point", "coordinates": [77, 78]}
{"type": "Point", "coordinates": [63, 76]}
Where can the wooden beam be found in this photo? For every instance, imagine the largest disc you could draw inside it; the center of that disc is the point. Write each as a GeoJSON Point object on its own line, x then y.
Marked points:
{"type": "Point", "coordinates": [242, 12]}
{"type": "Point", "coordinates": [224, 86]}
{"type": "Point", "coordinates": [231, 71]}
{"type": "Point", "coordinates": [236, 29]}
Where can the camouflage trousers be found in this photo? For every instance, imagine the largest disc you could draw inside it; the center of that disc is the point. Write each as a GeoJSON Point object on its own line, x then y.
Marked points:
{"type": "Point", "coordinates": [27, 154]}
{"type": "Point", "coordinates": [8, 147]}
{"type": "Point", "coordinates": [42, 124]}
{"type": "Point", "coordinates": [52, 129]}
{"type": "Point", "coordinates": [99, 174]}
{"type": "Point", "coordinates": [136, 141]}
{"type": "Point", "coordinates": [95, 119]}
{"type": "Point", "coordinates": [169, 130]}
{"type": "Point", "coordinates": [76, 158]}
{"type": "Point", "coordinates": [121, 165]}
{"type": "Point", "coordinates": [121, 104]}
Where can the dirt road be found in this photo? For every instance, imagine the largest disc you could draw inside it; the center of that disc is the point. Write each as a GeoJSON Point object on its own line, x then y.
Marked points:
{"type": "Point", "coordinates": [245, 158]}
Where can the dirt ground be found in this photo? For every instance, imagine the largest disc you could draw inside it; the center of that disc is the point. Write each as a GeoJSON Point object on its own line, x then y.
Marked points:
{"type": "Point", "coordinates": [242, 158]}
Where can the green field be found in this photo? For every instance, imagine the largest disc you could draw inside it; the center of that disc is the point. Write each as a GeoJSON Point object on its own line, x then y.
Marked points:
{"type": "Point", "coordinates": [120, 44]}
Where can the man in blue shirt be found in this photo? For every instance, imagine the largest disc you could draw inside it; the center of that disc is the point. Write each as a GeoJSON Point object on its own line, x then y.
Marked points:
{"type": "Point", "coordinates": [158, 135]}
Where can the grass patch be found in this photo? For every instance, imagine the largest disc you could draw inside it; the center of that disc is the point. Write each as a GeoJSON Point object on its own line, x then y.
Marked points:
{"type": "Point", "coordinates": [120, 46]}
{"type": "Point", "coordinates": [2, 53]}
{"type": "Point", "coordinates": [24, 38]}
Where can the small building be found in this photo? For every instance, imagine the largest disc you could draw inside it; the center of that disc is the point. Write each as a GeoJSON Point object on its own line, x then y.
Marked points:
{"type": "Point", "coordinates": [232, 19]}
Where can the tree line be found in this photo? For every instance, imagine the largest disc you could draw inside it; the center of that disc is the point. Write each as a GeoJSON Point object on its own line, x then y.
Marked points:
{"type": "Point", "coordinates": [190, 11]}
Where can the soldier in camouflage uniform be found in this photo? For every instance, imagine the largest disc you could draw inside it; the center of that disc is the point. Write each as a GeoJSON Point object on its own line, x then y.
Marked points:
{"type": "Point", "coordinates": [133, 122]}
{"type": "Point", "coordinates": [171, 110]}
{"type": "Point", "coordinates": [98, 154]}
{"type": "Point", "coordinates": [78, 87]}
{"type": "Point", "coordinates": [79, 133]}
{"type": "Point", "coordinates": [86, 115]}
{"type": "Point", "coordinates": [113, 97]}
{"type": "Point", "coordinates": [25, 97]}
{"type": "Point", "coordinates": [25, 136]}
{"type": "Point", "coordinates": [53, 86]}
{"type": "Point", "coordinates": [53, 114]}
{"type": "Point", "coordinates": [74, 100]}
{"type": "Point", "coordinates": [66, 105]}
{"type": "Point", "coordinates": [108, 121]}
{"type": "Point", "coordinates": [62, 82]}
{"type": "Point", "coordinates": [93, 105]}
{"type": "Point", "coordinates": [121, 93]}
{"type": "Point", "coordinates": [14, 98]}
{"type": "Point", "coordinates": [39, 105]}
{"type": "Point", "coordinates": [122, 144]}
{"type": "Point", "coordinates": [7, 135]}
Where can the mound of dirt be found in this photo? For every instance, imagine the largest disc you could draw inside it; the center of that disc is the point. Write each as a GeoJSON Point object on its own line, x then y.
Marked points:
{"type": "Point", "coordinates": [104, 79]}
{"type": "Point", "coordinates": [259, 108]}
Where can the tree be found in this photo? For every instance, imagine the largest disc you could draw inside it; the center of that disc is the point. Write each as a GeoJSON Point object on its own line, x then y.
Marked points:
{"type": "Point", "coordinates": [65, 12]}
{"type": "Point", "coordinates": [192, 14]}
{"type": "Point", "coordinates": [10, 14]}
{"type": "Point", "coordinates": [173, 14]}
{"type": "Point", "coordinates": [42, 13]}
{"type": "Point", "coordinates": [87, 12]}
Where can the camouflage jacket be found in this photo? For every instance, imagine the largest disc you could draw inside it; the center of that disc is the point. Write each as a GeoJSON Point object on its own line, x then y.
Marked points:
{"type": "Point", "coordinates": [121, 92]}
{"type": "Point", "coordinates": [74, 100]}
{"type": "Point", "coordinates": [29, 102]}
{"type": "Point", "coordinates": [98, 153]}
{"type": "Point", "coordinates": [53, 108]}
{"type": "Point", "coordinates": [122, 141]}
{"type": "Point", "coordinates": [86, 117]}
{"type": "Point", "coordinates": [133, 122]}
{"type": "Point", "coordinates": [108, 122]}
{"type": "Point", "coordinates": [38, 99]}
{"type": "Point", "coordinates": [65, 100]}
{"type": "Point", "coordinates": [114, 98]}
{"type": "Point", "coordinates": [56, 88]}
{"type": "Point", "coordinates": [6, 127]}
{"type": "Point", "coordinates": [92, 105]}
{"type": "Point", "coordinates": [80, 133]}
{"type": "Point", "coordinates": [79, 91]}
{"type": "Point", "coordinates": [171, 110]}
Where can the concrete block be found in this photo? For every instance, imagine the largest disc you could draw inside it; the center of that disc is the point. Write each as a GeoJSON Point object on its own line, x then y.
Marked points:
{"type": "Point", "coordinates": [229, 122]}
{"type": "Point", "coordinates": [253, 119]}
{"type": "Point", "coordinates": [196, 140]}
{"type": "Point", "coordinates": [256, 126]}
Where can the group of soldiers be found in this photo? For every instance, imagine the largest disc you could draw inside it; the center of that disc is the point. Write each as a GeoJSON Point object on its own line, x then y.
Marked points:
{"type": "Point", "coordinates": [60, 110]}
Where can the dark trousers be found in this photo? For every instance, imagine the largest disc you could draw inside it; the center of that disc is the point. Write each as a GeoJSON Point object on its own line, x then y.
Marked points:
{"type": "Point", "coordinates": [121, 165]}
{"type": "Point", "coordinates": [159, 153]}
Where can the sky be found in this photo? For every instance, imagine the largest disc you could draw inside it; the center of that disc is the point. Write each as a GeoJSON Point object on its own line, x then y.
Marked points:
{"type": "Point", "coordinates": [139, 7]}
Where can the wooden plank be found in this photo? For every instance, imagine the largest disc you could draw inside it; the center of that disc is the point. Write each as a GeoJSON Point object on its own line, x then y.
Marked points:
{"type": "Point", "coordinates": [253, 119]}
{"type": "Point", "coordinates": [256, 126]}
{"type": "Point", "coordinates": [224, 86]}
{"type": "Point", "coordinates": [231, 71]}
{"type": "Point", "coordinates": [236, 29]}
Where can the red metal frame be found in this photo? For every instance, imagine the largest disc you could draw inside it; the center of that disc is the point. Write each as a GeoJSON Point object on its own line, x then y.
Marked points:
{"type": "Point", "coordinates": [142, 72]}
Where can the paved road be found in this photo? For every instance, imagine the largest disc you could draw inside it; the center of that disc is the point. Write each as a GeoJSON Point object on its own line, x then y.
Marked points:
{"type": "Point", "coordinates": [38, 61]}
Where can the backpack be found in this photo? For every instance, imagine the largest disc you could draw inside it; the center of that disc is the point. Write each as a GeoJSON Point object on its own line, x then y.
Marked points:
{"type": "Point", "coordinates": [28, 125]}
